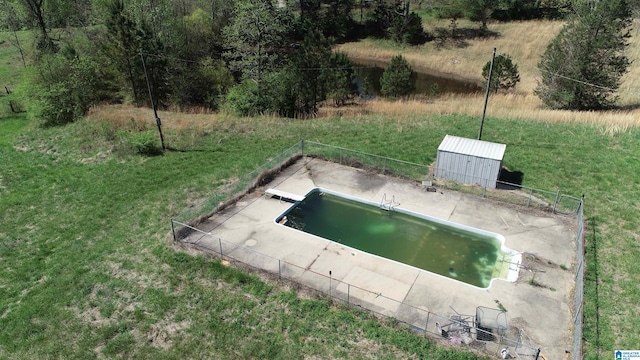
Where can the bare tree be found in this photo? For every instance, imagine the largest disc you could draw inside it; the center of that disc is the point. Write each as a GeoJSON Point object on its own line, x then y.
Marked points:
{"type": "Point", "coordinates": [36, 11]}
{"type": "Point", "coordinates": [11, 21]}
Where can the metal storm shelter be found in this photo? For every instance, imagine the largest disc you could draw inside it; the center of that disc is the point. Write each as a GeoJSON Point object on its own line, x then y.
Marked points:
{"type": "Point", "coordinates": [469, 161]}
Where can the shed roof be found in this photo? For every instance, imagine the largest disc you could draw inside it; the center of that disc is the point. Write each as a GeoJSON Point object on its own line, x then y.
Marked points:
{"type": "Point", "coordinates": [472, 147]}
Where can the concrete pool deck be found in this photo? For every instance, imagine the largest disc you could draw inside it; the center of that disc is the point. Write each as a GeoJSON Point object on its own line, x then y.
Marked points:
{"type": "Point", "coordinates": [538, 304]}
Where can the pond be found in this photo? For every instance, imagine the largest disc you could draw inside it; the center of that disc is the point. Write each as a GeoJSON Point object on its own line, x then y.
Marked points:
{"type": "Point", "coordinates": [368, 74]}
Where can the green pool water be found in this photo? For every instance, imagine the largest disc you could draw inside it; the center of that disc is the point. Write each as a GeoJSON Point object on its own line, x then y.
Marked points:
{"type": "Point", "coordinates": [443, 248]}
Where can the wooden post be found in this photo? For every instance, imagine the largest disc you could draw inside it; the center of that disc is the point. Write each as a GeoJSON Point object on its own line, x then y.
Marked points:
{"type": "Point", "coordinates": [486, 96]}
{"type": "Point", "coordinates": [153, 103]}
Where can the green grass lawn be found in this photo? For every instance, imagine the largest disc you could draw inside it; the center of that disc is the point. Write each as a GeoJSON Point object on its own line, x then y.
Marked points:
{"type": "Point", "coordinates": [87, 270]}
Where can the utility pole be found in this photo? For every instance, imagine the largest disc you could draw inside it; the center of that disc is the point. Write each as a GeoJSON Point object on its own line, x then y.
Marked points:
{"type": "Point", "coordinates": [259, 27]}
{"type": "Point", "coordinates": [486, 97]}
{"type": "Point", "coordinates": [153, 103]}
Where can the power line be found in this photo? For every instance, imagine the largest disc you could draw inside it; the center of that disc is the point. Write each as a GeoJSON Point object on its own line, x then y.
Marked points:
{"type": "Point", "coordinates": [272, 67]}
{"type": "Point", "coordinates": [374, 67]}
{"type": "Point", "coordinates": [577, 80]}
{"type": "Point", "coordinates": [467, 58]}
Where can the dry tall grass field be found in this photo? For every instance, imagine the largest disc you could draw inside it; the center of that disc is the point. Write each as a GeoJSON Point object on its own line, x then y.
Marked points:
{"type": "Point", "coordinates": [525, 42]}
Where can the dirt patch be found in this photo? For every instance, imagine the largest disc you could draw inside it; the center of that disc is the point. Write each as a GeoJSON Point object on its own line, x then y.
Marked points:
{"type": "Point", "coordinates": [98, 350]}
{"type": "Point", "coordinates": [161, 334]}
{"type": "Point", "coordinates": [23, 293]}
{"type": "Point", "coordinates": [92, 316]}
{"type": "Point", "coordinates": [94, 159]}
{"type": "Point", "coordinates": [143, 281]}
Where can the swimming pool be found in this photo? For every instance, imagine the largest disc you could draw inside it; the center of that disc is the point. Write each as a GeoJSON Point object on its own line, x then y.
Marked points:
{"type": "Point", "coordinates": [456, 251]}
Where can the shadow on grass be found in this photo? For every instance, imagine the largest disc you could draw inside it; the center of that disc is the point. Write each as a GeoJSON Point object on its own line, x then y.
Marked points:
{"type": "Point", "coordinates": [592, 324]}
{"type": "Point", "coordinates": [188, 150]}
{"type": "Point", "coordinates": [509, 180]}
{"type": "Point", "coordinates": [628, 107]}
{"type": "Point", "coordinates": [459, 37]}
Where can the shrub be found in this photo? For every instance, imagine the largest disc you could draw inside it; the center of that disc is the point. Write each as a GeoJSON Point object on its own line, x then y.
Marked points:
{"type": "Point", "coordinates": [61, 89]}
{"type": "Point", "coordinates": [146, 143]}
{"type": "Point", "coordinates": [398, 78]}
{"type": "Point", "coordinates": [242, 99]}
{"type": "Point", "coordinates": [505, 73]}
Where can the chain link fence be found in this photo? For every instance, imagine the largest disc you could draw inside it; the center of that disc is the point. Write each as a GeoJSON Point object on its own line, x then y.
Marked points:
{"type": "Point", "coordinates": [370, 162]}
{"type": "Point", "coordinates": [455, 328]}
{"type": "Point", "coordinates": [579, 293]}
{"type": "Point", "coordinates": [552, 201]}
{"type": "Point", "coordinates": [231, 193]}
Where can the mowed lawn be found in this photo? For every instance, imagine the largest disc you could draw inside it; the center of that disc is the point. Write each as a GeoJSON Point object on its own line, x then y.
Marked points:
{"type": "Point", "coordinates": [88, 270]}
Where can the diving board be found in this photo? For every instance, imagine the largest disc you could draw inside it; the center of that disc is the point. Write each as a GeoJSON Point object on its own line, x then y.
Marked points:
{"type": "Point", "coordinates": [283, 195]}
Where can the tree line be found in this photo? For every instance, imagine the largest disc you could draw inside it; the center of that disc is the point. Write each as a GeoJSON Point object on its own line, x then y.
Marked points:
{"type": "Point", "coordinates": [264, 56]}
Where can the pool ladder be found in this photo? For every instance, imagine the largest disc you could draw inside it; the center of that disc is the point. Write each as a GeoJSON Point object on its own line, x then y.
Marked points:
{"type": "Point", "coordinates": [388, 205]}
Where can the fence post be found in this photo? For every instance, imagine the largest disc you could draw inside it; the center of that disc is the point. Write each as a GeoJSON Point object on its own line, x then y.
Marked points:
{"type": "Point", "coordinates": [555, 202]}
{"type": "Point", "coordinates": [580, 204]}
{"type": "Point", "coordinates": [384, 166]}
{"type": "Point", "coordinates": [329, 283]}
{"type": "Point", "coordinates": [173, 231]}
{"type": "Point", "coordinates": [220, 242]}
{"type": "Point", "coordinates": [426, 324]}
{"type": "Point", "coordinates": [279, 271]}
{"type": "Point", "coordinates": [530, 195]}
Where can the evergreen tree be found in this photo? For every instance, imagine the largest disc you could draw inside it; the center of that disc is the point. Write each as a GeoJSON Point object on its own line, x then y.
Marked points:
{"type": "Point", "coordinates": [382, 17]}
{"type": "Point", "coordinates": [398, 78]}
{"type": "Point", "coordinates": [310, 9]}
{"type": "Point", "coordinates": [338, 23]}
{"type": "Point", "coordinates": [505, 73]}
{"type": "Point", "coordinates": [341, 85]}
{"type": "Point", "coordinates": [582, 67]}
{"type": "Point", "coordinates": [478, 10]}
{"type": "Point", "coordinates": [124, 39]}
{"type": "Point", "coordinates": [474, 10]}
{"type": "Point", "coordinates": [407, 29]}
{"type": "Point", "coordinates": [394, 20]}
{"type": "Point", "coordinates": [258, 47]}
{"type": "Point", "coordinates": [309, 65]}
{"type": "Point", "coordinates": [256, 39]}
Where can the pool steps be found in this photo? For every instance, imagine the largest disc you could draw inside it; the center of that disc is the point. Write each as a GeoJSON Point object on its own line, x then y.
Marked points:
{"type": "Point", "coordinates": [388, 205]}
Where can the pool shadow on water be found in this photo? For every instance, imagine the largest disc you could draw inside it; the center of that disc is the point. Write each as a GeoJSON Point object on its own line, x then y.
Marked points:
{"type": "Point", "coordinates": [509, 180]}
